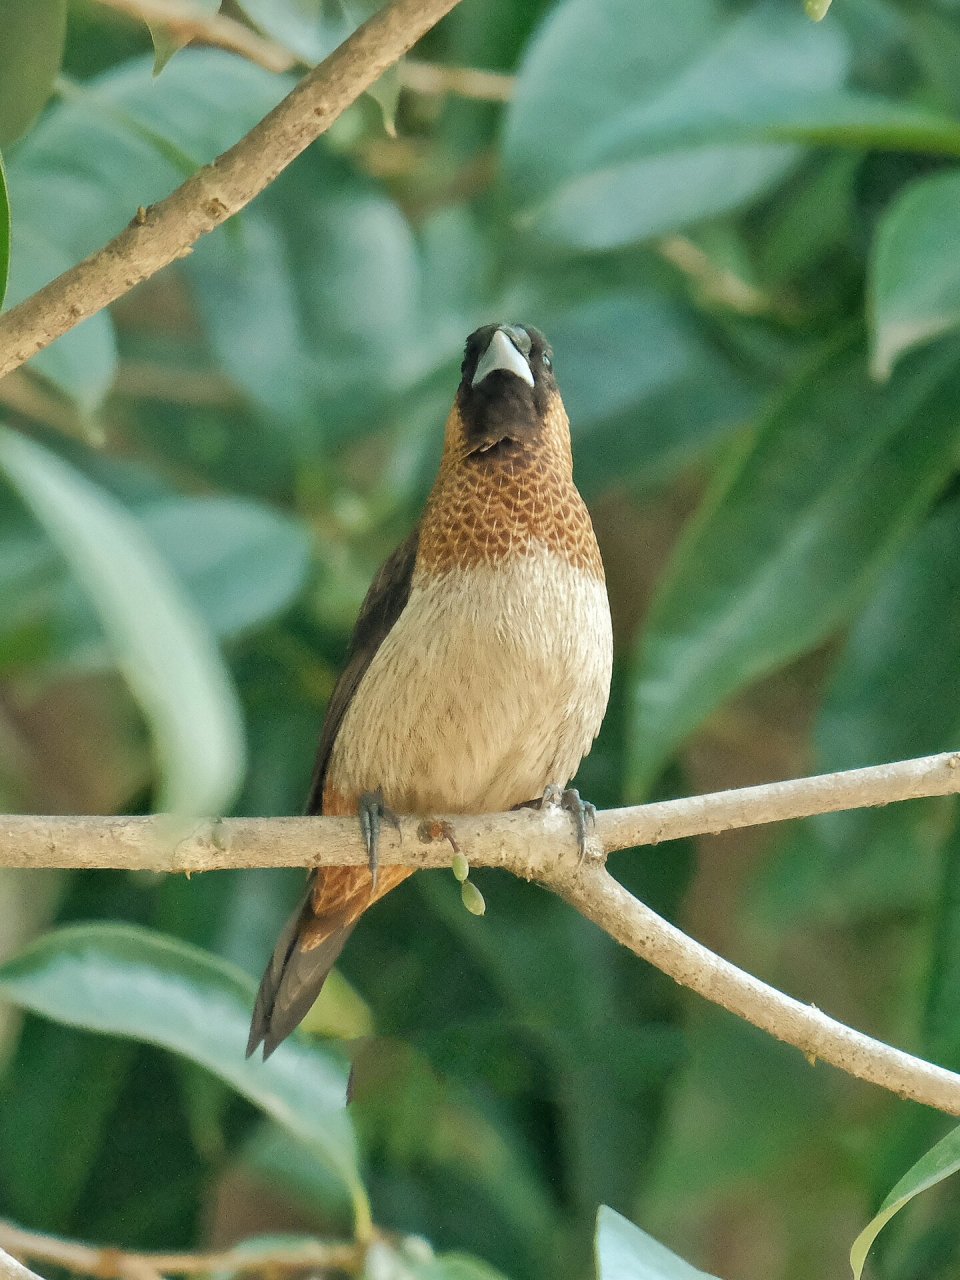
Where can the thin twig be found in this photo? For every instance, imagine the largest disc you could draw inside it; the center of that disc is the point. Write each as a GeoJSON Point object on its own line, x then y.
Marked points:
{"type": "Point", "coordinates": [108, 1263]}
{"type": "Point", "coordinates": [438, 79]}
{"type": "Point", "coordinates": [165, 231]}
{"type": "Point", "coordinates": [186, 22]}
{"type": "Point", "coordinates": [541, 846]}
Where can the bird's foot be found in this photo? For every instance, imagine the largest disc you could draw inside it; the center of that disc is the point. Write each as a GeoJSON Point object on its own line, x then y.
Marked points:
{"type": "Point", "coordinates": [373, 813]}
{"type": "Point", "coordinates": [583, 812]}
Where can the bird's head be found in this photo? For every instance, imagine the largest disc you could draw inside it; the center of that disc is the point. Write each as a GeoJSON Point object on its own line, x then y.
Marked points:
{"type": "Point", "coordinates": [507, 400]}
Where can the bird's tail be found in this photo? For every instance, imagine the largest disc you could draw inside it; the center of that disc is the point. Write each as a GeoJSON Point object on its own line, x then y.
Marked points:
{"type": "Point", "coordinates": [310, 946]}
{"type": "Point", "coordinates": [295, 975]}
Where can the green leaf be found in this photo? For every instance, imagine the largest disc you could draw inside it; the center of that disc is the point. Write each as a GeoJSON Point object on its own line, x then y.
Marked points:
{"type": "Point", "coordinates": [4, 232]}
{"type": "Point", "coordinates": [455, 1266]}
{"type": "Point", "coordinates": [100, 151]}
{"type": "Point", "coordinates": [790, 539]}
{"type": "Point", "coordinates": [83, 363]}
{"type": "Point", "coordinates": [645, 388]}
{"type": "Point", "coordinates": [890, 697]}
{"type": "Point", "coordinates": [588, 63]}
{"type": "Point", "coordinates": [914, 289]}
{"type": "Point", "coordinates": [275, 1158]}
{"type": "Point", "coordinates": [309, 28]}
{"type": "Point", "coordinates": [347, 353]}
{"type": "Point", "coordinates": [890, 694]}
{"type": "Point", "coordinates": [692, 163]}
{"type": "Point", "coordinates": [132, 982]}
{"type": "Point", "coordinates": [165, 653]}
{"type": "Point", "coordinates": [694, 146]}
{"type": "Point", "coordinates": [31, 48]}
{"type": "Point", "coordinates": [43, 1175]}
{"type": "Point", "coordinates": [624, 1252]}
{"type": "Point", "coordinates": [241, 563]}
{"type": "Point", "coordinates": [119, 142]}
{"type": "Point", "coordinates": [167, 40]}
{"type": "Point", "coordinates": [939, 1162]}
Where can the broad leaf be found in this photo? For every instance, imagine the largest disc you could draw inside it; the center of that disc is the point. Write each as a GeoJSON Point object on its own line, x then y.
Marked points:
{"type": "Point", "coordinates": [123, 139]}
{"type": "Point", "coordinates": [790, 540]}
{"type": "Point", "coordinates": [624, 1252]}
{"type": "Point", "coordinates": [645, 388]}
{"type": "Point", "coordinates": [120, 141]}
{"type": "Point", "coordinates": [588, 63]}
{"type": "Point", "coordinates": [31, 47]}
{"type": "Point", "coordinates": [241, 562]}
{"type": "Point", "coordinates": [675, 150]}
{"type": "Point", "coordinates": [309, 28]}
{"type": "Point", "coordinates": [83, 362]}
{"type": "Point", "coordinates": [914, 279]}
{"type": "Point", "coordinates": [44, 1176]}
{"type": "Point", "coordinates": [939, 1162]}
{"type": "Point", "coordinates": [165, 653]}
{"type": "Point", "coordinates": [890, 697]}
{"type": "Point", "coordinates": [132, 982]}
{"type": "Point", "coordinates": [346, 353]}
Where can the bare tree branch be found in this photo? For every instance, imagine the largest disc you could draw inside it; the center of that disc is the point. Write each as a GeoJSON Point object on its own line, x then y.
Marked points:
{"type": "Point", "coordinates": [108, 1263]}
{"type": "Point", "coordinates": [526, 842]}
{"type": "Point", "coordinates": [167, 230]}
{"type": "Point", "coordinates": [465, 82]}
{"type": "Point", "coordinates": [541, 846]}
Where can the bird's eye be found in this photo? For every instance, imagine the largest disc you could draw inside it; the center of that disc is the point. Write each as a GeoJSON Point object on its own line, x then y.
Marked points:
{"type": "Point", "coordinates": [547, 361]}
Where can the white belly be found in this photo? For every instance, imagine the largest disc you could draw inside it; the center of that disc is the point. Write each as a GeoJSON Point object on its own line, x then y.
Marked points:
{"type": "Point", "coordinates": [491, 685]}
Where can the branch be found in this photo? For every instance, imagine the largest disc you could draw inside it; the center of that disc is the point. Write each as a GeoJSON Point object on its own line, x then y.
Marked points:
{"type": "Point", "coordinates": [541, 846]}
{"type": "Point", "coordinates": [167, 230]}
{"type": "Point", "coordinates": [465, 82]}
{"type": "Point", "coordinates": [108, 1263]}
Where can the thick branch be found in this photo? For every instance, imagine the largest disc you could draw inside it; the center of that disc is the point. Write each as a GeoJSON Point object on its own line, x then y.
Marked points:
{"type": "Point", "coordinates": [541, 846]}
{"type": "Point", "coordinates": [217, 191]}
{"type": "Point", "coordinates": [526, 842]}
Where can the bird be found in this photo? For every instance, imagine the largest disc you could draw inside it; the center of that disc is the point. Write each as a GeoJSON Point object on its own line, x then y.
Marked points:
{"type": "Point", "coordinates": [479, 668]}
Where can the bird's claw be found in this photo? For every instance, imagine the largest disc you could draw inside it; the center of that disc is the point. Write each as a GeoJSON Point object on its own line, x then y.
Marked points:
{"type": "Point", "coordinates": [583, 812]}
{"type": "Point", "coordinates": [373, 813]}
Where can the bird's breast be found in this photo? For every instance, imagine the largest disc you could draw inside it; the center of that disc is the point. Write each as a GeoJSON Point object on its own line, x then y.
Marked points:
{"type": "Point", "coordinates": [490, 686]}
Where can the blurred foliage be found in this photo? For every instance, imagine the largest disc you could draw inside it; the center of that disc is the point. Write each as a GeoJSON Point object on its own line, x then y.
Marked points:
{"type": "Point", "coordinates": [739, 230]}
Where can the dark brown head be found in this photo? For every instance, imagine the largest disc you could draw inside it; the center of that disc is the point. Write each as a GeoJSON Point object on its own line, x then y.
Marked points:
{"type": "Point", "coordinates": [506, 476]}
{"type": "Point", "coordinates": [507, 392]}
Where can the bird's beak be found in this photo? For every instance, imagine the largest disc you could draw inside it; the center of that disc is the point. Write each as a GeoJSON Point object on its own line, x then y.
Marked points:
{"type": "Point", "coordinates": [502, 354]}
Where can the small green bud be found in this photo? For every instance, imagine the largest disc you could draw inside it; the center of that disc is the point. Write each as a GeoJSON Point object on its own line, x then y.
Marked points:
{"type": "Point", "coordinates": [472, 898]}
{"type": "Point", "coordinates": [460, 866]}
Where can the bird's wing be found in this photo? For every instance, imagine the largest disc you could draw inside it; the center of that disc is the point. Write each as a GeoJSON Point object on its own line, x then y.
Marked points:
{"type": "Point", "coordinates": [382, 606]}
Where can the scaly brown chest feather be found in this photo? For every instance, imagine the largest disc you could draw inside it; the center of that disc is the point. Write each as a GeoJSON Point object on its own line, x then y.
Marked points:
{"type": "Point", "coordinates": [487, 506]}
